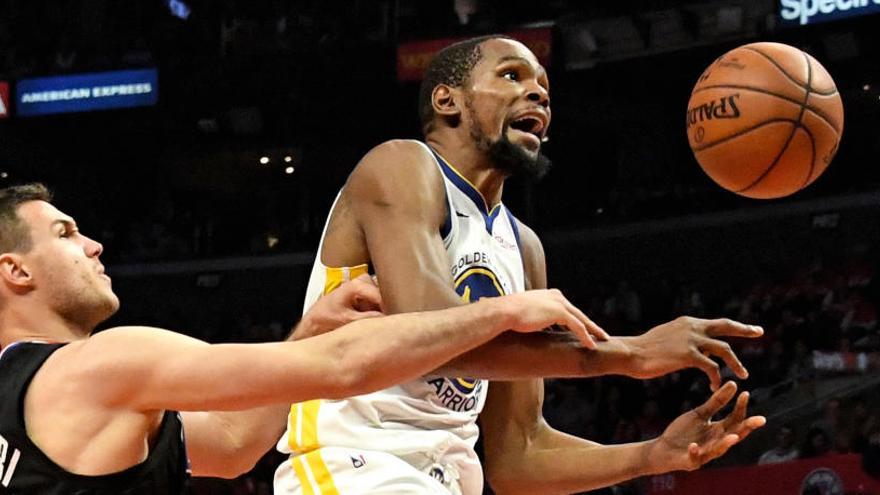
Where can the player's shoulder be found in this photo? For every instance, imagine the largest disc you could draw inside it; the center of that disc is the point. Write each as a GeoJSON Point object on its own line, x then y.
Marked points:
{"type": "Point", "coordinates": [528, 237]}
{"type": "Point", "coordinates": [400, 164]}
{"type": "Point", "coordinates": [397, 157]}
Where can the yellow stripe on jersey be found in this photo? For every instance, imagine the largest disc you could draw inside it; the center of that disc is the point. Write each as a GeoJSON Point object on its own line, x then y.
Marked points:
{"type": "Point", "coordinates": [334, 277]}
{"type": "Point", "coordinates": [321, 473]}
{"type": "Point", "coordinates": [466, 295]}
{"type": "Point", "coordinates": [300, 470]}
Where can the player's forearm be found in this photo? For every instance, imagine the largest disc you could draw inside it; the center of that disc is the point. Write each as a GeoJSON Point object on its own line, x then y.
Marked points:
{"type": "Point", "coordinates": [513, 356]}
{"type": "Point", "coordinates": [560, 463]}
{"type": "Point", "coordinates": [380, 352]}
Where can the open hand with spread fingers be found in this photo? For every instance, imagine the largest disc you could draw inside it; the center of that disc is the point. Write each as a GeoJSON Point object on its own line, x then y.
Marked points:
{"type": "Point", "coordinates": [694, 439]}
{"type": "Point", "coordinates": [688, 343]}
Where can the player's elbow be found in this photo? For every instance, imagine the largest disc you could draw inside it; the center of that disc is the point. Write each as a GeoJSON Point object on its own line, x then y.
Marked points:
{"type": "Point", "coordinates": [360, 368]}
{"type": "Point", "coordinates": [350, 381]}
{"type": "Point", "coordinates": [229, 468]}
{"type": "Point", "coordinates": [502, 474]}
{"type": "Point", "coordinates": [230, 472]}
{"type": "Point", "coordinates": [354, 374]}
{"type": "Point", "coordinates": [504, 481]}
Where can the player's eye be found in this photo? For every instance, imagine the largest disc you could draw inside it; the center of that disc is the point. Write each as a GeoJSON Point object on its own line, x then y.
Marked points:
{"type": "Point", "coordinates": [510, 75]}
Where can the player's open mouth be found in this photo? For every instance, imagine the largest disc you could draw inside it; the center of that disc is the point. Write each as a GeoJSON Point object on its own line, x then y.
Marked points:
{"type": "Point", "coordinates": [529, 124]}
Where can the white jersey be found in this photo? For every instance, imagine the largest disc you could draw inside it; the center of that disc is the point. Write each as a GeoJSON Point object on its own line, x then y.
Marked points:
{"type": "Point", "coordinates": [430, 422]}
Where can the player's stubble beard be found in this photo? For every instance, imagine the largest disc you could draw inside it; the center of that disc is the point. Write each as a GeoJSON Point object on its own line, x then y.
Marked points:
{"type": "Point", "coordinates": [505, 155]}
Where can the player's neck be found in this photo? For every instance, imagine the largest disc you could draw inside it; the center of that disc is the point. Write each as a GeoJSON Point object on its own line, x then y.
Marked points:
{"type": "Point", "coordinates": [473, 165]}
{"type": "Point", "coordinates": [36, 325]}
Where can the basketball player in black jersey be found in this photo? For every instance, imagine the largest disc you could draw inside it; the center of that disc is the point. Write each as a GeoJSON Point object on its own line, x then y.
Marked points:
{"type": "Point", "coordinates": [94, 414]}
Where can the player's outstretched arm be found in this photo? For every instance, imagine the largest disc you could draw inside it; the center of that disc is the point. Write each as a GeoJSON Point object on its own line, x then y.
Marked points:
{"type": "Point", "coordinates": [682, 343]}
{"type": "Point", "coordinates": [525, 455]}
{"type": "Point", "coordinates": [229, 443]}
{"type": "Point", "coordinates": [397, 195]}
{"type": "Point", "coordinates": [148, 369]}
{"type": "Point", "coordinates": [686, 343]}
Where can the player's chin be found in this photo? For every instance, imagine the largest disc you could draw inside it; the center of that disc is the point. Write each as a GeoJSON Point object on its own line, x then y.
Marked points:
{"type": "Point", "coordinates": [111, 301]}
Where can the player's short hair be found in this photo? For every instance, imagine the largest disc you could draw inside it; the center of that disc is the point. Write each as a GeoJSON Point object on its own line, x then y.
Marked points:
{"type": "Point", "coordinates": [14, 233]}
{"type": "Point", "coordinates": [450, 66]}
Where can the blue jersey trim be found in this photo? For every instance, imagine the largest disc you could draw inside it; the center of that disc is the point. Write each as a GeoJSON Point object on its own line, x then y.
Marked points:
{"type": "Point", "coordinates": [446, 228]}
{"type": "Point", "coordinates": [470, 191]}
{"type": "Point", "coordinates": [515, 227]}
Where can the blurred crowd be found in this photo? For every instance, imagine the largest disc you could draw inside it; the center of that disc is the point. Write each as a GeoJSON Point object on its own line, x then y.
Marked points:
{"type": "Point", "coordinates": [820, 322]}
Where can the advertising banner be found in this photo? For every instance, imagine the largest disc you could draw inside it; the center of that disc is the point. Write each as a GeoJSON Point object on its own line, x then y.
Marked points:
{"type": "Point", "coordinates": [831, 474]}
{"type": "Point", "coordinates": [413, 57]}
{"type": "Point", "coordinates": [803, 12]}
{"type": "Point", "coordinates": [4, 100]}
{"type": "Point", "coordinates": [86, 92]}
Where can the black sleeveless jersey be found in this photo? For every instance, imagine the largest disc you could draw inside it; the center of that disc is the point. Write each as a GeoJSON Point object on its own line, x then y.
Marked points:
{"type": "Point", "coordinates": [25, 469]}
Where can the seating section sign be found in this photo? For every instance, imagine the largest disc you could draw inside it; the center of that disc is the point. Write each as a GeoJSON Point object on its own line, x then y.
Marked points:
{"type": "Point", "coordinates": [86, 92]}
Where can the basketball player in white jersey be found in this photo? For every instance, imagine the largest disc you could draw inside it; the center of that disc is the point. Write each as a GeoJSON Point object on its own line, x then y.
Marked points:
{"type": "Point", "coordinates": [428, 218]}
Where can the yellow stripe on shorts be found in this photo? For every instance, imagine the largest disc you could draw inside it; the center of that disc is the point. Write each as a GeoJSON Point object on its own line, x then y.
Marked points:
{"type": "Point", "coordinates": [300, 470]}
{"type": "Point", "coordinates": [321, 473]}
{"type": "Point", "coordinates": [312, 473]}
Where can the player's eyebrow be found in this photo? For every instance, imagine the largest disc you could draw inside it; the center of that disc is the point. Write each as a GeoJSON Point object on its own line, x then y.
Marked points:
{"type": "Point", "coordinates": [509, 58]}
{"type": "Point", "coordinates": [539, 70]}
{"type": "Point", "coordinates": [67, 223]}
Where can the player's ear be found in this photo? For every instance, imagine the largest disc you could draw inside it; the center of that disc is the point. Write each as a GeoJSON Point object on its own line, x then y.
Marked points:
{"type": "Point", "coordinates": [13, 272]}
{"type": "Point", "coordinates": [444, 100]}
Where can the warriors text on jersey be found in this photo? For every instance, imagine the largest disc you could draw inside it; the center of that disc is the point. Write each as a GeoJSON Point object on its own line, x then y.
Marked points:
{"type": "Point", "coordinates": [25, 469]}
{"type": "Point", "coordinates": [429, 423]}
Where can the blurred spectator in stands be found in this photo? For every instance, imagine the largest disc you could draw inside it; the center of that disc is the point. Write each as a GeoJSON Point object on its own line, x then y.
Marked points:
{"type": "Point", "coordinates": [626, 431]}
{"type": "Point", "coordinates": [830, 422]}
{"type": "Point", "coordinates": [860, 314]}
{"type": "Point", "coordinates": [801, 368]}
{"type": "Point", "coordinates": [859, 268]}
{"type": "Point", "coordinates": [628, 303]}
{"type": "Point", "coordinates": [649, 422]}
{"type": "Point", "coordinates": [863, 423]}
{"type": "Point", "coordinates": [817, 444]}
{"type": "Point", "coordinates": [566, 409]}
{"type": "Point", "coordinates": [784, 450]}
{"type": "Point", "coordinates": [689, 302]}
{"type": "Point", "coordinates": [871, 455]}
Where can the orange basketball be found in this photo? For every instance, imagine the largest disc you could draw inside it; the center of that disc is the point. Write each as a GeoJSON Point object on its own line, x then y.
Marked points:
{"type": "Point", "coordinates": [764, 120]}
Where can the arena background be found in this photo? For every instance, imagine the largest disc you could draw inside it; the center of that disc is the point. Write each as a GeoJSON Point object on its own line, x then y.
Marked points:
{"type": "Point", "coordinates": [211, 201]}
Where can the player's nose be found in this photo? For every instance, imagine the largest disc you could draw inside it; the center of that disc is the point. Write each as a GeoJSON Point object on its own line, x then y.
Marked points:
{"type": "Point", "coordinates": [539, 94]}
{"type": "Point", "coordinates": [92, 247]}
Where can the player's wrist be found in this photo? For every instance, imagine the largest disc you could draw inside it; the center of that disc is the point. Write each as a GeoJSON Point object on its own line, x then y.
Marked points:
{"type": "Point", "coordinates": [630, 356]}
{"type": "Point", "coordinates": [498, 313]}
{"type": "Point", "coordinates": [655, 458]}
{"type": "Point", "coordinates": [306, 327]}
